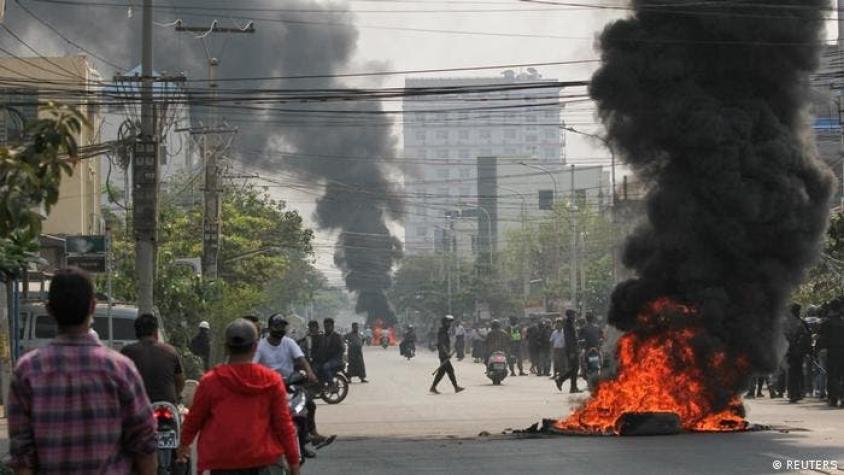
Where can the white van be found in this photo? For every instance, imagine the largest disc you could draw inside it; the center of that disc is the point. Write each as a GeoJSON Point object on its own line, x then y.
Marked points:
{"type": "Point", "coordinates": [37, 328]}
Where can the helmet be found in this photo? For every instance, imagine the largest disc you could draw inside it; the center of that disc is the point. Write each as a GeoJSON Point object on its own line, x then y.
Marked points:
{"type": "Point", "coordinates": [447, 319]}
{"type": "Point", "coordinates": [205, 325]}
{"type": "Point", "coordinates": [496, 324]}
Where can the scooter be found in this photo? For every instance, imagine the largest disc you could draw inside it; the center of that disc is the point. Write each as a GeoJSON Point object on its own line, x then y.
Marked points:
{"type": "Point", "coordinates": [496, 367]}
{"type": "Point", "coordinates": [168, 432]}
{"type": "Point", "coordinates": [407, 349]}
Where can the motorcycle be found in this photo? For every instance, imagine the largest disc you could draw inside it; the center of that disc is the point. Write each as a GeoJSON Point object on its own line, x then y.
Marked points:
{"type": "Point", "coordinates": [496, 367]}
{"type": "Point", "coordinates": [168, 432]}
{"type": "Point", "coordinates": [333, 391]}
{"type": "Point", "coordinates": [407, 349]}
{"type": "Point", "coordinates": [591, 365]}
{"type": "Point", "coordinates": [385, 342]}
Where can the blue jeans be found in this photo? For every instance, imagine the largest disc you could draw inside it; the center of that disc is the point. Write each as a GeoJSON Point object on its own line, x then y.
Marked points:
{"type": "Point", "coordinates": [329, 368]}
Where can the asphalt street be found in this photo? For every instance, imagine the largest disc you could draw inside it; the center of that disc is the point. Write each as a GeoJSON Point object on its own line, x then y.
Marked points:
{"type": "Point", "coordinates": [393, 425]}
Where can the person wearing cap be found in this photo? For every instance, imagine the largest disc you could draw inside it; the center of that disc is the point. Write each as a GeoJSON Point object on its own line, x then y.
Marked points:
{"type": "Point", "coordinates": [444, 350]}
{"type": "Point", "coordinates": [240, 412]}
{"type": "Point", "coordinates": [200, 345]}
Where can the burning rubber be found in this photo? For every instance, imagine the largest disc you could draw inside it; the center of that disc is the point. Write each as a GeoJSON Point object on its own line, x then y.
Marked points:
{"type": "Point", "coordinates": [707, 107]}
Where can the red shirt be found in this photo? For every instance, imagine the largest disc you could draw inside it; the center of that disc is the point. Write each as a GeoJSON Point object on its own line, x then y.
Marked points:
{"type": "Point", "coordinates": [240, 412]}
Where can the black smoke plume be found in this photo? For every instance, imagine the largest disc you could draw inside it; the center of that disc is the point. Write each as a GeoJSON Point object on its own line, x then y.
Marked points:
{"type": "Point", "coordinates": [341, 146]}
{"type": "Point", "coordinates": [707, 103]}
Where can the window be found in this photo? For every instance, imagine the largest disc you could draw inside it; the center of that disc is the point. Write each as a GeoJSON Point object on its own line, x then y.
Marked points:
{"type": "Point", "coordinates": [551, 114]}
{"type": "Point", "coordinates": [100, 326]}
{"type": "Point", "coordinates": [45, 327]}
{"type": "Point", "coordinates": [485, 134]}
{"type": "Point", "coordinates": [546, 199]}
{"type": "Point", "coordinates": [531, 118]}
{"type": "Point", "coordinates": [124, 329]}
{"type": "Point", "coordinates": [442, 173]}
{"type": "Point", "coordinates": [420, 135]}
{"type": "Point", "coordinates": [465, 154]}
{"type": "Point", "coordinates": [442, 192]}
{"type": "Point", "coordinates": [509, 133]}
{"type": "Point", "coordinates": [465, 172]}
{"type": "Point", "coordinates": [421, 231]}
{"type": "Point", "coordinates": [550, 133]}
{"type": "Point", "coordinates": [442, 153]}
{"type": "Point", "coordinates": [421, 153]}
{"type": "Point", "coordinates": [463, 135]}
{"type": "Point", "coordinates": [442, 135]}
{"type": "Point", "coordinates": [551, 153]}
{"type": "Point", "coordinates": [531, 138]}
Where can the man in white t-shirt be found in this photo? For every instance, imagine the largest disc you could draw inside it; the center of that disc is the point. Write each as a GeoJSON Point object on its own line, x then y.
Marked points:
{"type": "Point", "coordinates": [280, 353]}
{"type": "Point", "coordinates": [558, 347]}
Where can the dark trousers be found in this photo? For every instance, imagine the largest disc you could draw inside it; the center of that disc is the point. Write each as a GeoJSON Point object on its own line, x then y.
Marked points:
{"type": "Point", "coordinates": [444, 369]}
{"type": "Point", "coordinates": [516, 357]}
{"type": "Point", "coordinates": [795, 379]}
{"type": "Point", "coordinates": [309, 404]}
{"type": "Point", "coordinates": [560, 359]}
{"type": "Point", "coordinates": [835, 373]}
{"type": "Point", "coordinates": [460, 346]}
{"type": "Point", "coordinates": [543, 362]}
{"type": "Point", "coordinates": [571, 374]}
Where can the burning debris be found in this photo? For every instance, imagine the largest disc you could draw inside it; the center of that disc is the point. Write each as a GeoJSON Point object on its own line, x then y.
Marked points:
{"type": "Point", "coordinates": [706, 102]}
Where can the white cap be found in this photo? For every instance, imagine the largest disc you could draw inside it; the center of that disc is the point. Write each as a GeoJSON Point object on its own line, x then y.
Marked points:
{"type": "Point", "coordinates": [449, 317]}
{"type": "Point", "coordinates": [205, 325]}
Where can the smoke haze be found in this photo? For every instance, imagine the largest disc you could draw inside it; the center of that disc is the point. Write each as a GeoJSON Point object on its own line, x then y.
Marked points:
{"type": "Point", "coordinates": [707, 102]}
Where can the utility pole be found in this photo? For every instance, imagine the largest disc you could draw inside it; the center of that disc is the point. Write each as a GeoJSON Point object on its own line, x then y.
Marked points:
{"type": "Point", "coordinates": [573, 264]}
{"type": "Point", "coordinates": [145, 175]}
{"type": "Point", "coordinates": [211, 216]}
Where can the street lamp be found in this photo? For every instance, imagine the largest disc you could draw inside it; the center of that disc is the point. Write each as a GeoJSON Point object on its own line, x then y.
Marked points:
{"type": "Point", "coordinates": [544, 170]}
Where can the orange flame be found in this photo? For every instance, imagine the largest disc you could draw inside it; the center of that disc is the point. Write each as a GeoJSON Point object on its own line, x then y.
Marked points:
{"type": "Point", "coordinates": [659, 371]}
{"type": "Point", "coordinates": [378, 329]}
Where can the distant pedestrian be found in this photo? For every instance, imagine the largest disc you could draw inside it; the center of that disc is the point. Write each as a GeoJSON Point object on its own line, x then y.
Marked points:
{"type": "Point", "coordinates": [357, 367]}
{"type": "Point", "coordinates": [460, 341]}
{"type": "Point", "coordinates": [799, 346]}
{"type": "Point", "coordinates": [368, 335]}
{"type": "Point", "coordinates": [74, 405]}
{"type": "Point", "coordinates": [200, 345]}
{"type": "Point", "coordinates": [831, 338]}
{"type": "Point", "coordinates": [558, 349]}
{"type": "Point", "coordinates": [515, 360]}
{"type": "Point", "coordinates": [240, 412]}
{"type": "Point", "coordinates": [572, 350]}
{"type": "Point", "coordinates": [444, 353]}
{"type": "Point", "coordinates": [543, 346]}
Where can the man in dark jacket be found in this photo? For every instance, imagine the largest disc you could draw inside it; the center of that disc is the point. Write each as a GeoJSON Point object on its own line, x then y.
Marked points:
{"type": "Point", "coordinates": [799, 346]}
{"type": "Point", "coordinates": [444, 351]}
{"type": "Point", "coordinates": [572, 350]}
{"type": "Point", "coordinates": [331, 352]}
{"type": "Point", "coordinates": [543, 349]}
{"type": "Point", "coordinates": [200, 345]}
{"type": "Point", "coordinates": [831, 338]}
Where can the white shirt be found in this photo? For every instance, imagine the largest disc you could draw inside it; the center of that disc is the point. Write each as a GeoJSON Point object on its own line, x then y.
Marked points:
{"type": "Point", "coordinates": [280, 358]}
{"type": "Point", "coordinates": [460, 331]}
{"type": "Point", "coordinates": [558, 339]}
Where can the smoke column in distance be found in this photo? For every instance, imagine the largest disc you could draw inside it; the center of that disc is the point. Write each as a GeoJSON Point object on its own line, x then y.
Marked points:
{"type": "Point", "coordinates": [358, 198]}
{"type": "Point", "coordinates": [707, 102]}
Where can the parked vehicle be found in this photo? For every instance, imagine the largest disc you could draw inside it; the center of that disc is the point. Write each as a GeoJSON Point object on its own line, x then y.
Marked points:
{"type": "Point", "coordinates": [168, 433]}
{"type": "Point", "coordinates": [496, 367]}
{"type": "Point", "coordinates": [37, 328]}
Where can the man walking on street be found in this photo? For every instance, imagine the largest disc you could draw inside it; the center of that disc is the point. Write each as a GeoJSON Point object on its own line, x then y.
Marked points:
{"type": "Point", "coordinates": [240, 412]}
{"type": "Point", "coordinates": [831, 338]}
{"type": "Point", "coordinates": [357, 367]}
{"type": "Point", "coordinates": [158, 363]}
{"type": "Point", "coordinates": [558, 349]}
{"type": "Point", "coordinates": [543, 345]}
{"type": "Point", "coordinates": [200, 345]}
{"type": "Point", "coordinates": [444, 351]}
{"type": "Point", "coordinates": [76, 406]}
{"type": "Point", "coordinates": [572, 352]}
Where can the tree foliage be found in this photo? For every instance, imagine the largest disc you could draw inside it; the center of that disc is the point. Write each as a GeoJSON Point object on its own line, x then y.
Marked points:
{"type": "Point", "coordinates": [825, 280]}
{"type": "Point", "coordinates": [30, 175]}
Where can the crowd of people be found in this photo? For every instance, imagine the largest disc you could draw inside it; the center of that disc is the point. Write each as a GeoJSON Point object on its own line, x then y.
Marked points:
{"type": "Point", "coordinates": [813, 364]}
{"type": "Point", "coordinates": [551, 348]}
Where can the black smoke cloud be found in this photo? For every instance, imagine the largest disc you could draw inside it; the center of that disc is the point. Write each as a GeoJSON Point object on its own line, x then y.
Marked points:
{"type": "Point", "coordinates": [341, 146]}
{"type": "Point", "coordinates": [707, 103]}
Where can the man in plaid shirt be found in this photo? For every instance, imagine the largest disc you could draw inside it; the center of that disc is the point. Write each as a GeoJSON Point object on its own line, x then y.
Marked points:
{"type": "Point", "coordinates": [76, 406]}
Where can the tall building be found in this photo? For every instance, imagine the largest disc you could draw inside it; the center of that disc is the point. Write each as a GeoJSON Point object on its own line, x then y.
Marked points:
{"type": "Point", "coordinates": [72, 79]}
{"type": "Point", "coordinates": [445, 134]}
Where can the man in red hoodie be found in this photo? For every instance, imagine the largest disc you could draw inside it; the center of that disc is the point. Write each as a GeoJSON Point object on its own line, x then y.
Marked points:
{"type": "Point", "coordinates": [240, 412]}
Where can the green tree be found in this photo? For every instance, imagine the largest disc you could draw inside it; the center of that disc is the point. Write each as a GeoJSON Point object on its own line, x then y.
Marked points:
{"type": "Point", "coordinates": [825, 280]}
{"type": "Point", "coordinates": [30, 176]}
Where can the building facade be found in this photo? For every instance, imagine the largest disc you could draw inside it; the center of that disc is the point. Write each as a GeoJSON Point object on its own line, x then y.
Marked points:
{"type": "Point", "coordinates": [445, 134]}
{"type": "Point", "coordinates": [71, 79]}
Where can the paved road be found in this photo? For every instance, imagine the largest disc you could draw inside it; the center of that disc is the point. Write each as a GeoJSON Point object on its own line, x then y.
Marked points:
{"type": "Point", "coordinates": [392, 425]}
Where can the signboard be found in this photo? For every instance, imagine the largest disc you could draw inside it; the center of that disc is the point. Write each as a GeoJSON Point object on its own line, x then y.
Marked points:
{"type": "Point", "coordinates": [95, 264]}
{"type": "Point", "coordinates": [85, 244]}
{"type": "Point", "coordinates": [145, 187]}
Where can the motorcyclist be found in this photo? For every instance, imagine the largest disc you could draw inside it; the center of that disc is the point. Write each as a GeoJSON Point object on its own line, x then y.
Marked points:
{"type": "Point", "coordinates": [408, 343]}
{"type": "Point", "coordinates": [497, 340]}
{"type": "Point", "coordinates": [158, 363]}
{"type": "Point", "coordinates": [331, 351]}
{"type": "Point", "coordinates": [280, 353]}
